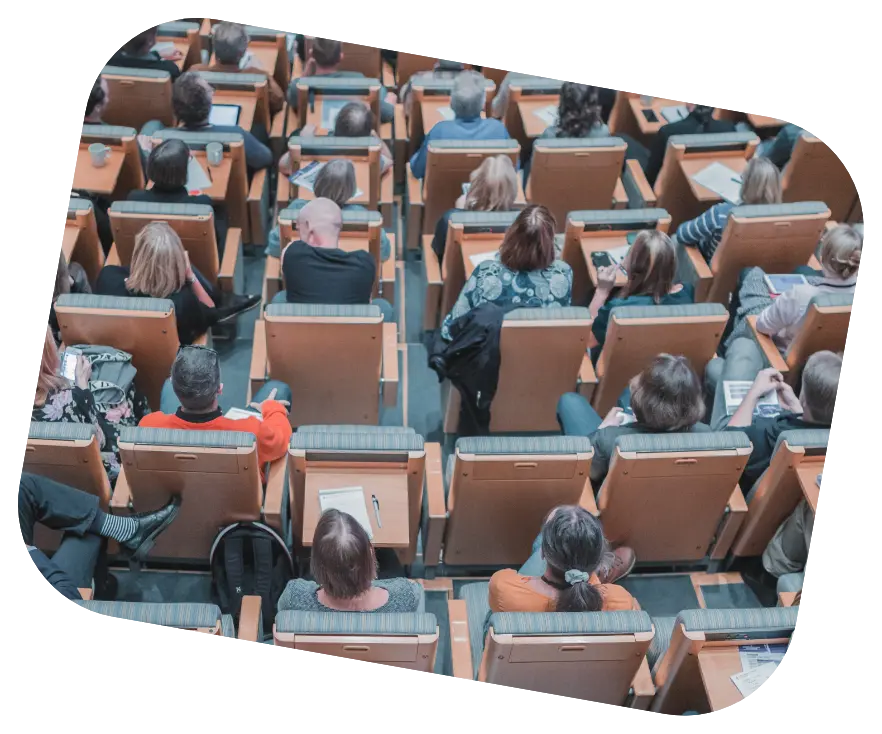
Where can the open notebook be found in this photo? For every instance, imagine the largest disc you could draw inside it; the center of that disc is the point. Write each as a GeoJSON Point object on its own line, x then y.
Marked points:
{"type": "Point", "coordinates": [735, 390]}
{"type": "Point", "coordinates": [349, 500]}
{"type": "Point", "coordinates": [722, 180]}
{"type": "Point", "coordinates": [197, 178]}
{"type": "Point", "coordinates": [548, 115]}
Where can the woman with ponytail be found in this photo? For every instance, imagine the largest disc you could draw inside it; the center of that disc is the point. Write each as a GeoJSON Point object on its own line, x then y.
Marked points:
{"type": "Point", "coordinates": [571, 570]}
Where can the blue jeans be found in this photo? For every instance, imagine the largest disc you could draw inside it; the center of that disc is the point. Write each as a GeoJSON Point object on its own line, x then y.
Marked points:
{"type": "Point", "coordinates": [169, 403]}
{"type": "Point", "coordinates": [743, 361]}
{"type": "Point", "coordinates": [576, 416]}
{"type": "Point", "coordinates": [385, 307]}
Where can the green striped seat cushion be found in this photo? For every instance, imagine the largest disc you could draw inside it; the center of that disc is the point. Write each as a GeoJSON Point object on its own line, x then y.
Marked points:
{"type": "Point", "coordinates": [110, 132]}
{"type": "Point", "coordinates": [800, 208]}
{"type": "Point", "coordinates": [713, 140]}
{"type": "Point", "coordinates": [236, 80]}
{"type": "Point", "coordinates": [675, 442]}
{"type": "Point", "coordinates": [355, 623]}
{"type": "Point", "coordinates": [322, 310]}
{"type": "Point", "coordinates": [570, 623]}
{"type": "Point", "coordinates": [523, 445]}
{"type": "Point", "coordinates": [331, 142]}
{"type": "Point", "coordinates": [356, 441]}
{"type": "Point", "coordinates": [355, 429]}
{"type": "Point", "coordinates": [483, 219]}
{"type": "Point", "coordinates": [132, 72]}
{"type": "Point", "coordinates": [171, 210]}
{"type": "Point", "coordinates": [183, 616]}
{"type": "Point", "coordinates": [664, 628]}
{"type": "Point", "coordinates": [691, 310]}
{"type": "Point", "coordinates": [198, 140]}
{"type": "Point", "coordinates": [439, 84]}
{"type": "Point", "coordinates": [808, 438]}
{"type": "Point", "coordinates": [351, 217]}
{"type": "Point", "coordinates": [114, 303]}
{"type": "Point", "coordinates": [769, 619]}
{"type": "Point", "coordinates": [832, 300]}
{"type": "Point", "coordinates": [183, 437]}
{"type": "Point", "coordinates": [555, 313]}
{"type": "Point", "coordinates": [618, 216]}
{"type": "Point", "coordinates": [477, 599]}
{"type": "Point", "coordinates": [61, 431]}
{"type": "Point", "coordinates": [610, 142]}
{"type": "Point", "coordinates": [78, 205]}
{"type": "Point", "coordinates": [339, 85]}
{"type": "Point", "coordinates": [506, 144]}
{"type": "Point", "coordinates": [176, 28]}
{"type": "Point", "coordinates": [228, 628]}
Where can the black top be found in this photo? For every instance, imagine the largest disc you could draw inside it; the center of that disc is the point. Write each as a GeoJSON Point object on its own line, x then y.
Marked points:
{"type": "Point", "coordinates": [179, 195]}
{"type": "Point", "coordinates": [763, 434]}
{"type": "Point", "coordinates": [193, 317]}
{"type": "Point", "coordinates": [687, 126]}
{"type": "Point", "coordinates": [325, 275]}
{"type": "Point", "coordinates": [148, 61]}
{"type": "Point", "coordinates": [439, 241]}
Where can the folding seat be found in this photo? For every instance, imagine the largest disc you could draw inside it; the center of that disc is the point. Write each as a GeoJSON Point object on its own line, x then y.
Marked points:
{"type": "Point", "coordinates": [185, 36]}
{"type": "Point", "coordinates": [137, 95]}
{"type": "Point", "coordinates": [487, 507]}
{"type": "Point", "coordinates": [80, 243]}
{"type": "Point", "coordinates": [268, 46]}
{"type": "Point", "coordinates": [121, 173]}
{"type": "Point", "coordinates": [526, 96]}
{"type": "Point", "coordinates": [314, 91]}
{"type": "Point", "coordinates": [593, 656]}
{"type": "Point", "coordinates": [814, 172]}
{"type": "Point", "coordinates": [250, 92]}
{"type": "Point", "coordinates": [774, 237]}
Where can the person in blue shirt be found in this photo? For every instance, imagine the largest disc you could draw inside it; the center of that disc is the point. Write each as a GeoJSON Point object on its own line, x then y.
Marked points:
{"type": "Point", "coordinates": [467, 102]}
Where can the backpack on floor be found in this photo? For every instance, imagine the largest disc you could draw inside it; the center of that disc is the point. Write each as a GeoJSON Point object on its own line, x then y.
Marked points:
{"type": "Point", "coordinates": [250, 559]}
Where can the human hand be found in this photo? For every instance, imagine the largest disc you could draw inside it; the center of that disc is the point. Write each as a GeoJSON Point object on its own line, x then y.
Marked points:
{"type": "Point", "coordinates": [170, 53]}
{"type": "Point", "coordinates": [613, 418]}
{"type": "Point", "coordinates": [145, 142]}
{"type": "Point", "coordinates": [767, 380]}
{"type": "Point", "coordinates": [787, 398]}
{"type": "Point", "coordinates": [391, 97]}
{"type": "Point", "coordinates": [272, 396]}
{"type": "Point", "coordinates": [82, 372]}
{"type": "Point", "coordinates": [606, 277]}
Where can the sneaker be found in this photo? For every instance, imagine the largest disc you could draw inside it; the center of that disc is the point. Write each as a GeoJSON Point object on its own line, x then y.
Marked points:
{"type": "Point", "coordinates": [623, 564]}
{"type": "Point", "coordinates": [235, 305]}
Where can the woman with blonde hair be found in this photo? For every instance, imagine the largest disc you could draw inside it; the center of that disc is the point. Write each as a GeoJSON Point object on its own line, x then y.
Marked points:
{"type": "Point", "coordinates": [492, 187]}
{"type": "Point", "coordinates": [651, 269]}
{"type": "Point", "coordinates": [760, 184]}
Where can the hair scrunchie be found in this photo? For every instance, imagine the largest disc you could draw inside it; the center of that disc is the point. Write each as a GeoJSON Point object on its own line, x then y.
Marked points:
{"type": "Point", "coordinates": [573, 577]}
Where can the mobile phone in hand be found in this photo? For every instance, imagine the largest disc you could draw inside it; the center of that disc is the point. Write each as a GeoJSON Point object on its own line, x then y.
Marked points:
{"type": "Point", "coordinates": [69, 362]}
{"type": "Point", "coordinates": [601, 259]}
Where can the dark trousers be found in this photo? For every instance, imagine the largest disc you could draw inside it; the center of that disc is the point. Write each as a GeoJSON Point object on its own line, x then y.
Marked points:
{"type": "Point", "coordinates": [57, 506]}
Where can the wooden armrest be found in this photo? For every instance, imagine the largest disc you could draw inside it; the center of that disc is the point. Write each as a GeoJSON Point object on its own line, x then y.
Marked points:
{"type": "Point", "coordinates": [415, 207]}
{"type": "Point", "coordinates": [587, 382]}
{"type": "Point", "coordinates": [275, 492]}
{"type": "Point", "coordinates": [113, 256]}
{"type": "Point", "coordinates": [400, 122]}
{"type": "Point", "coordinates": [642, 688]}
{"type": "Point", "coordinates": [640, 181]}
{"type": "Point", "coordinates": [386, 133]}
{"type": "Point", "coordinates": [390, 365]}
{"type": "Point", "coordinates": [460, 647]}
{"type": "Point", "coordinates": [258, 371]}
{"type": "Point", "coordinates": [768, 347]}
{"type": "Point", "coordinates": [414, 188]}
{"type": "Point", "coordinates": [277, 127]}
{"type": "Point", "coordinates": [255, 191]}
{"type": "Point", "coordinates": [436, 506]}
{"type": "Point", "coordinates": [249, 618]}
{"type": "Point", "coordinates": [736, 513]}
{"type": "Point", "coordinates": [434, 284]}
{"type": "Point", "coordinates": [388, 75]}
{"type": "Point", "coordinates": [121, 499]}
{"type": "Point", "coordinates": [283, 193]}
{"type": "Point", "coordinates": [226, 277]}
{"type": "Point", "coordinates": [620, 196]}
{"type": "Point", "coordinates": [272, 280]}
{"type": "Point", "coordinates": [388, 276]}
{"type": "Point", "coordinates": [86, 594]}
{"type": "Point", "coordinates": [785, 598]}
{"type": "Point", "coordinates": [387, 194]}
{"type": "Point", "coordinates": [704, 276]}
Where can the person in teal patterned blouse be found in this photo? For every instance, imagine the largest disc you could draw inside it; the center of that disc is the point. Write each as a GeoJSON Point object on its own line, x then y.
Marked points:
{"type": "Point", "coordinates": [523, 274]}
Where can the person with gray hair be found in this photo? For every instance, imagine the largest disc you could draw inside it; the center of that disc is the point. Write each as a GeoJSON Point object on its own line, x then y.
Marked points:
{"type": "Point", "coordinates": [467, 102]}
{"type": "Point", "coordinates": [190, 400]}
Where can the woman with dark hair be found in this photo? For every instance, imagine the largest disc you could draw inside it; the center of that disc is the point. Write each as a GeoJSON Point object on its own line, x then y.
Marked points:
{"type": "Point", "coordinates": [578, 113]}
{"type": "Point", "coordinates": [344, 567]}
{"type": "Point", "coordinates": [167, 168]}
{"type": "Point", "coordinates": [524, 274]}
{"type": "Point", "coordinates": [69, 278]}
{"type": "Point", "coordinates": [571, 570]}
{"type": "Point", "coordinates": [666, 397]}
{"type": "Point", "coordinates": [651, 266]}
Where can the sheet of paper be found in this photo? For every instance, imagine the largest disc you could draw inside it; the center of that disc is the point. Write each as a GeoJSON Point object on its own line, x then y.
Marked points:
{"type": "Point", "coordinates": [446, 112]}
{"type": "Point", "coordinates": [163, 46]}
{"type": "Point", "coordinates": [480, 257]}
{"type": "Point", "coordinates": [197, 178]}
{"type": "Point", "coordinates": [618, 254]}
{"type": "Point", "coordinates": [674, 113]}
{"type": "Point", "coordinates": [237, 414]}
{"type": "Point", "coordinates": [735, 390]}
{"type": "Point", "coordinates": [330, 109]}
{"type": "Point", "coordinates": [305, 177]}
{"type": "Point", "coordinates": [548, 115]}
{"type": "Point", "coordinates": [349, 500]}
{"type": "Point", "coordinates": [722, 180]}
{"type": "Point", "coordinates": [752, 656]}
{"type": "Point", "coordinates": [749, 680]}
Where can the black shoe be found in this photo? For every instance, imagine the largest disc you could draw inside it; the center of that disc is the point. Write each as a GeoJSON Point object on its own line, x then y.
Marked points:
{"type": "Point", "coordinates": [150, 526]}
{"type": "Point", "coordinates": [235, 305]}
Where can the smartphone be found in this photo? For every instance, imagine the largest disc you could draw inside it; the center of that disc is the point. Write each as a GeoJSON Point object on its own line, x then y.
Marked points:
{"type": "Point", "coordinates": [69, 362]}
{"type": "Point", "coordinates": [601, 259]}
{"type": "Point", "coordinates": [650, 115]}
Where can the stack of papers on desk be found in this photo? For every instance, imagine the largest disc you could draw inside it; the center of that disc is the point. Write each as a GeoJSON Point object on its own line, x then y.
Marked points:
{"type": "Point", "coordinates": [349, 500]}
{"type": "Point", "coordinates": [674, 113]}
{"type": "Point", "coordinates": [748, 681]}
{"type": "Point", "coordinates": [482, 257]}
{"type": "Point", "coordinates": [197, 178]}
{"type": "Point", "coordinates": [548, 115]}
{"type": "Point", "coordinates": [722, 180]}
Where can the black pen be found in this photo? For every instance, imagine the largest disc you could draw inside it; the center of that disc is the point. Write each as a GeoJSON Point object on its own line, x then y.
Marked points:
{"type": "Point", "coordinates": [377, 510]}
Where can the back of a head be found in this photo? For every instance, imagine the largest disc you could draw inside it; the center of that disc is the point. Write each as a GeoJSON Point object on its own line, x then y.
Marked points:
{"type": "Point", "coordinates": [342, 561]}
{"type": "Point", "coordinates": [528, 245]}
{"type": "Point", "coordinates": [191, 98]}
{"type": "Point", "coordinates": [840, 253]}
{"type": "Point", "coordinates": [142, 43]}
{"type": "Point", "coordinates": [327, 53]}
{"type": "Point", "coordinates": [467, 98]}
{"type": "Point", "coordinates": [573, 547]}
{"type": "Point", "coordinates": [761, 182]}
{"type": "Point", "coordinates": [820, 382]}
{"type": "Point", "coordinates": [667, 395]}
{"type": "Point", "coordinates": [167, 164]}
{"type": "Point", "coordinates": [195, 377]}
{"type": "Point", "coordinates": [159, 266]}
{"type": "Point", "coordinates": [579, 110]}
{"type": "Point", "coordinates": [336, 181]}
{"type": "Point", "coordinates": [494, 186]}
{"type": "Point", "coordinates": [651, 265]}
{"type": "Point", "coordinates": [320, 222]}
{"type": "Point", "coordinates": [96, 97]}
{"type": "Point", "coordinates": [355, 120]}
{"type": "Point", "coordinates": [230, 41]}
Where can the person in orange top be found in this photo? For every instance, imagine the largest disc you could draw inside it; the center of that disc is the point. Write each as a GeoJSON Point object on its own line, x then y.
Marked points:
{"type": "Point", "coordinates": [571, 570]}
{"type": "Point", "coordinates": [189, 400]}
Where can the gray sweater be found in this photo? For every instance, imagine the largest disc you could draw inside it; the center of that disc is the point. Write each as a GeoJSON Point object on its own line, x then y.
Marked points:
{"type": "Point", "coordinates": [302, 596]}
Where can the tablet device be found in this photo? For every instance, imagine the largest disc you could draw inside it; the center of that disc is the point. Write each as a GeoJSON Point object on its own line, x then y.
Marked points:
{"type": "Point", "coordinates": [778, 284]}
{"type": "Point", "coordinates": [650, 115]}
{"type": "Point", "coordinates": [224, 114]}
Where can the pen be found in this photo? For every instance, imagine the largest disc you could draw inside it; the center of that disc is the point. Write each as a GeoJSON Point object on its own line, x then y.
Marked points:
{"type": "Point", "coordinates": [377, 510]}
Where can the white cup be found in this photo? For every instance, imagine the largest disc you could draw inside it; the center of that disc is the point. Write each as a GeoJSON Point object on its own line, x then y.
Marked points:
{"type": "Point", "coordinates": [646, 100]}
{"type": "Point", "coordinates": [214, 153]}
{"type": "Point", "coordinates": [99, 153]}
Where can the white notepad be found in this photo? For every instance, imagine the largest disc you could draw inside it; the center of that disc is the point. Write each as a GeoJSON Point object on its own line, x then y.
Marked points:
{"type": "Point", "coordinates": [446, 112]}
{"type": "Point", "coordinates": [749, 680]}
{"type": "Point", "coordinates": [548, 115]}
{"type": "Point", "coordinates": [197, 178]}
{"type": "Point", "coordinates": [735, 390]}
{"type": "Point", "coordinates": [349, 500]}
{"type": "Point", "coordinates": [330, 109]}
{"type": "Point", "coordinates": [674, 113]}
{"type": "Point", "coordinates": [237, 414]}
{"type": "Point", "coordinates": [481, 257]}
{"type": "Point", "coordinates": [722, 180]}
{"type": "Point", "coordinates": [163, 46]}
{"type": "Point", "coordinates": [753, 656]}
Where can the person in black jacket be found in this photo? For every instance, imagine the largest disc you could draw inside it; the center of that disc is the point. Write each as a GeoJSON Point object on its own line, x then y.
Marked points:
{"type": "Point", "coordinates": [57, 506]}
{"type": "Point", "coordinates": [139, 54]}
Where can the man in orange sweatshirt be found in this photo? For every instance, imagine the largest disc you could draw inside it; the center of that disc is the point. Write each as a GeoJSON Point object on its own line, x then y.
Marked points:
{"type": "Point", "coordinates": [190, 401]}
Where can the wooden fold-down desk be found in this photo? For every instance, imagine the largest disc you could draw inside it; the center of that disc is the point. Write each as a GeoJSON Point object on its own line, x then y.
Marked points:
{"type": "Point", "coordinates": [716, 665]}
{"type": "Point", "coordinates": [390, 489]}
{"type": "Point", "coordinates": [534, 125]}
{"type": "Point", "coordinates": [430, 109]}
{"type": "Point", "coordinates": [98, 180]}
{"type": "Point", "coordinates": [807, 473]}
{"type": "Point", "coordinates": [646, 127]}
{"type": "Point", "coordinates": [219, 175]}
{"type": "Point", "coordinates": [362, 184]}
{"type": "Point", "coordinates": [693, 164]}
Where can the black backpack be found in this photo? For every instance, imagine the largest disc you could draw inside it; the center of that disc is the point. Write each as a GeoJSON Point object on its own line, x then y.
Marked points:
{"type": "Point", "coordinates": [250, 559]}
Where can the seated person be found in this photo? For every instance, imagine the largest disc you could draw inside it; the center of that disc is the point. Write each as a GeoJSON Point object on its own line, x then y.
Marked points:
{"type": "Point", "coordinates": [84, 523]}
{"type": "Point", "coordinates": [355, 120]}
{"type": "Point", "coordinates": [230, 45]}
{"type": "Point", "coordinates": [524, 274]}
{"type": "Point", "coordinates": [191, 100]}
{"type": "Point", "coordinates": [499, 105]}
{"type": "Point", "coordinates": [666, 397]}
{"type": "Point", "coordinates": [325, 60]}
{"type": "Point", "coordinates": [780, 148]}
{"type": "Point", "coordinates": [344, 566]}
{"type": "Point", "coordinates": [812, 409]}
{"type": "Point", "coordinates": [579, 114]}
{"type": "Point", "coordinates": [651, 265]}
{"type": "Point", "coordinates": [336, 181]}
{"type": "Point", "coordinates": [760, 184]}
{"type": "Point", "coordinates": [781, 317]}
{"type": "Point", "coordinates": [441, 70]}
{"type": "Point", "coordinates": [787, 551]}
{"type": "Point", "coordinates": [571, 570]}
{"type": "Point", "coordinates": [99, 98]}
{"type": "Point", "coordinates": [160, 268]}
{"type": "Point", "coordinates": [56, 400]}
{"type": "Point", "coordinates": [493, 187]}
{"type": "Point", "coordinates": [139, 54]}
{"type": "Point", "coordinates": [189, 401]}
{"type": "Point", "coordinates": [467, 102]}
{"type": "Point", "coordinates": [68, 279]}
{"type": "Point", "coordinates": [316, 270]}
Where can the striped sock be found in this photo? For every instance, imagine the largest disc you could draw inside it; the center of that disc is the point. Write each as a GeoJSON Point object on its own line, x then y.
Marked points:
{"type": "Point", "coordinates": [117, 527]}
